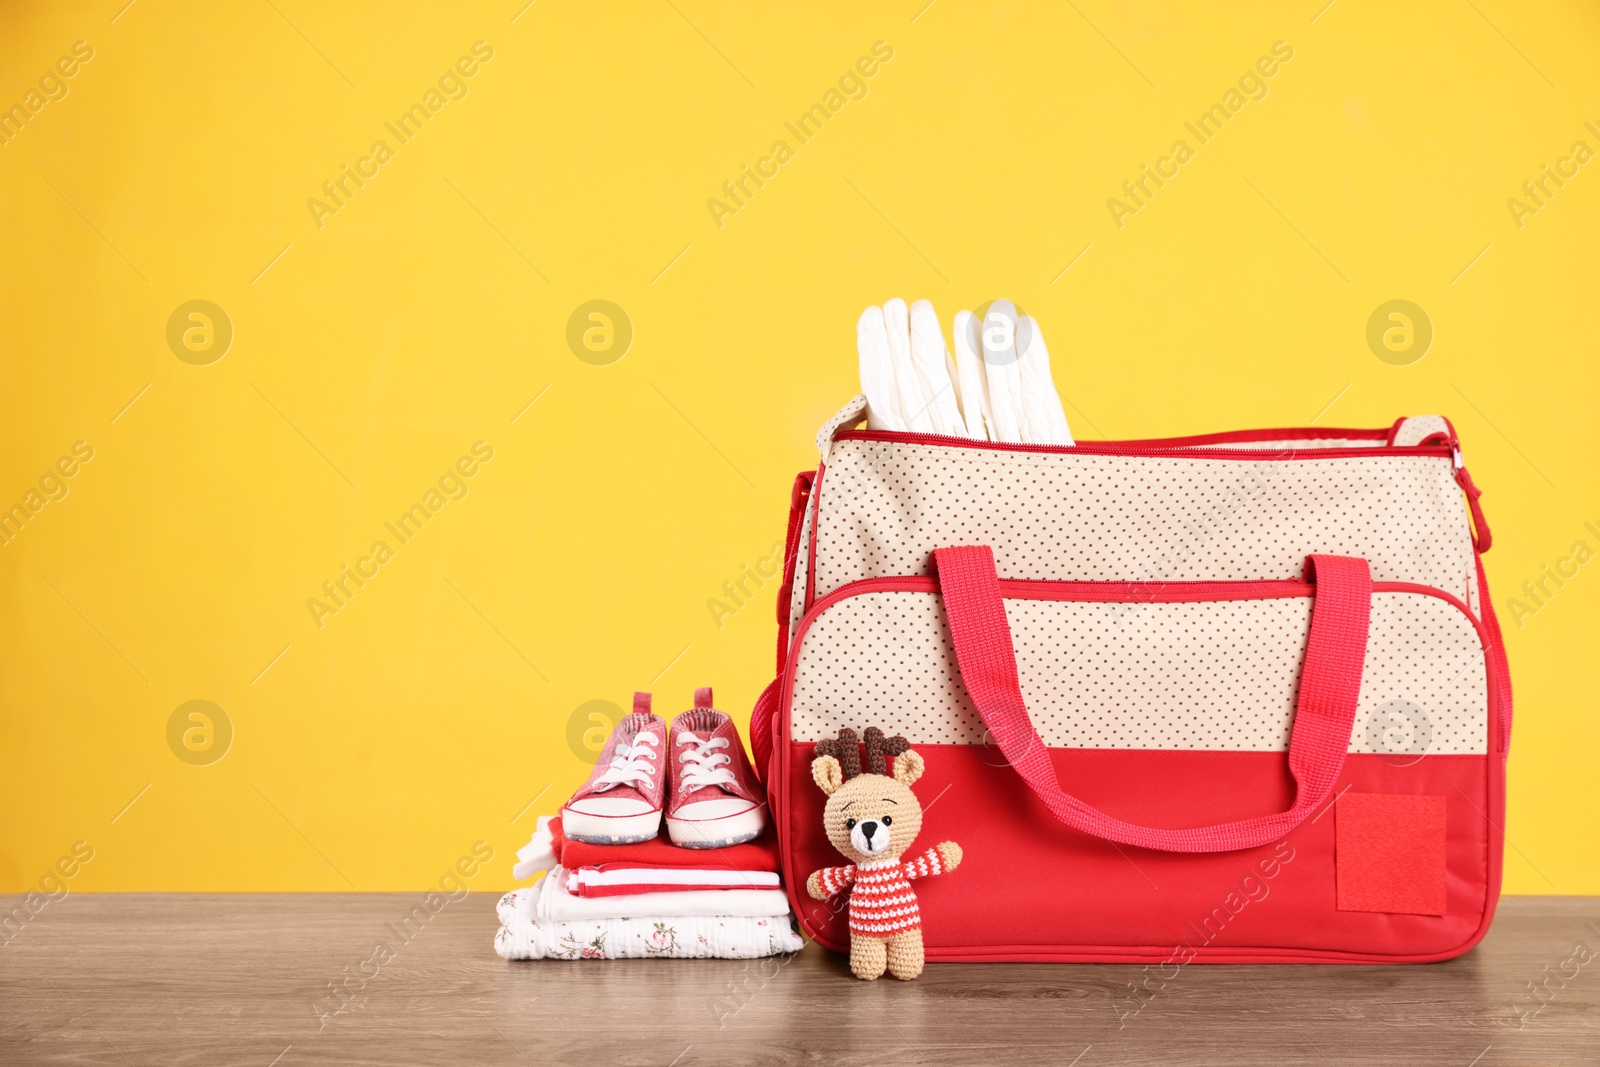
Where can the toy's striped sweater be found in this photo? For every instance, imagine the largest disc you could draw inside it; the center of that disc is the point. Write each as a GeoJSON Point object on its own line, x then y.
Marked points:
{"type": "Point", "coordinates": [882, 903]}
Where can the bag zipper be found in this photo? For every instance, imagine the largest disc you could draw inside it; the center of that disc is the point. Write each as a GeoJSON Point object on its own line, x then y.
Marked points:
{"type": "Point", "coordinates": [1058, 589]}
{"type": "Point", "coordinates": [1145, 448]}
{"type": "Point", "coordinates": [1482, 538]}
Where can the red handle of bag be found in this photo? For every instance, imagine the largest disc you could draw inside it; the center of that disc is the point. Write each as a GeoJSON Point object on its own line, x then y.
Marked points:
{"type": "Point", "coordinates": [1330, 683]}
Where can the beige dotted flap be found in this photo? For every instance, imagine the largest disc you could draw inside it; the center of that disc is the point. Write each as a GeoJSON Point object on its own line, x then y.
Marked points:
{"type": "Point", "coordinates": [849, 415]}
{"type": "Point", "coordinates": [1418, 428]}
{"type": "Point", "coordinates": [1188, 675]}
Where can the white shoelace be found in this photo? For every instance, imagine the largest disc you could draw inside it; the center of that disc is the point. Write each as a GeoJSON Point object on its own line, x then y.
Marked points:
{"type": "Point", "coordinates": [632, 764]}
{"type": "Point", "coordinates": [706, 762]}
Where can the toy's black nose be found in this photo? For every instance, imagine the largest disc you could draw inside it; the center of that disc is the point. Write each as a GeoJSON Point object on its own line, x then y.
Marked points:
{"type": "Point", "coordinates": [868, 829]}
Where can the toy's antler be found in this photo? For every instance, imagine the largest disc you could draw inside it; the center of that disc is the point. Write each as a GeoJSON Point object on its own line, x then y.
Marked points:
{"type": "Point", "coordinates": [881, 750]}
{"type": "Point", "coordinates": [846, 749]}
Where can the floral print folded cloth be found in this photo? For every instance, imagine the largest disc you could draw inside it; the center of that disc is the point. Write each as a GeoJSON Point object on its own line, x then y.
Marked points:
{"type": "Point", "coordinates": [729, 937]}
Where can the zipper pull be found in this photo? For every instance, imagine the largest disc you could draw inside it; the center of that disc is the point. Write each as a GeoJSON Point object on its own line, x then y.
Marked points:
{"type": "Point", "coordinates": [1481, 536]}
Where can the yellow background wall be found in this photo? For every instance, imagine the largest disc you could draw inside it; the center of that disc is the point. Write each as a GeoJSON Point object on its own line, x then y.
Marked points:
{"type": "Point", "coordinates": [375, 345]}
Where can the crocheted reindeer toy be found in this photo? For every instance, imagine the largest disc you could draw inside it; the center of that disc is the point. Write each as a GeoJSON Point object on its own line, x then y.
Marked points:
{"type": "Point", "coordinates": [872, 818]}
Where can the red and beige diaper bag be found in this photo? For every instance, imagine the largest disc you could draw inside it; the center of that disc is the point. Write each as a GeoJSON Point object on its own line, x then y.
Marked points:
{"type": "Point", "coordinates": [1232, 698]}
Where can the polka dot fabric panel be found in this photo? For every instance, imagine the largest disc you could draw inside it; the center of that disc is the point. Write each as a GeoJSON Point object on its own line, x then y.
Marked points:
{"type": "Point", "coordinates": [884, 506]}
{"type": "Point", "coordinates": [1206, 675]}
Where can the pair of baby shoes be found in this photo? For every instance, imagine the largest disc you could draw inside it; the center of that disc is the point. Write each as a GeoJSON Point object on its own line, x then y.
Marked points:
{"type": "Point", "coordinates": [694, 774]}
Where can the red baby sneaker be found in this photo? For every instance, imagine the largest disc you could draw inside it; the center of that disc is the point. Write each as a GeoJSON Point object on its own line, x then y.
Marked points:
{"type": "Point", "coordinates": [621, 802]}
{"type": "Point", "coordinates": [715, 800]}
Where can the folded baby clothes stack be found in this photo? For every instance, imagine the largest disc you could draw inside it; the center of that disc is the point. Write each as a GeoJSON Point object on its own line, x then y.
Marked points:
{"type": "Point", "coordinates": [665, 851]}
{"type": "Point", "coordinates": [650, 899]}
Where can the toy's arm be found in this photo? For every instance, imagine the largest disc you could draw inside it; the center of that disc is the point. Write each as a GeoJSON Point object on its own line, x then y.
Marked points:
{"type": "Point", "coordinates": [828, 881]}
{"type": "Point", "coordinates": [945, 856]}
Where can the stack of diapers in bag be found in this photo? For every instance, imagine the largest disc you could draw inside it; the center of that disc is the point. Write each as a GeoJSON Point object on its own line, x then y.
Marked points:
{"type": "Point", "coordinates": [996, 385]}
{"type": "Point", "coordinates": [651, 899]}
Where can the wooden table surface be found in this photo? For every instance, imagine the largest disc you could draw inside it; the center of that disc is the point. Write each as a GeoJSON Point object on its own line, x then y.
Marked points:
{"type": "Point", "coordinates": [171, 980]}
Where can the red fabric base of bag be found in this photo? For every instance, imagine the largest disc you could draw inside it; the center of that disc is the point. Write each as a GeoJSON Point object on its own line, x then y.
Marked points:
{"type": "Point", "coordinates": [1035, 890]}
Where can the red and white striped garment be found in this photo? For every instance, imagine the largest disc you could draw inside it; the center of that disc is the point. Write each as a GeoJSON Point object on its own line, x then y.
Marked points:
{"type": "Point", "coordinates": [621, 879]}
{"type": "Point", "coordinates": [881, 902]}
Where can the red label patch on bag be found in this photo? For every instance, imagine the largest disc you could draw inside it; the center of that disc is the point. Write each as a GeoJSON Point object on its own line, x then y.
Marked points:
{"type": "Point", "coordinates": [1389, 853]}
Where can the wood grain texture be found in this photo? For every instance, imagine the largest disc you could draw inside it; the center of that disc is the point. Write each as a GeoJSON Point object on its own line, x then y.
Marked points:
{"type": "Point", "coordinates": [174, 980]}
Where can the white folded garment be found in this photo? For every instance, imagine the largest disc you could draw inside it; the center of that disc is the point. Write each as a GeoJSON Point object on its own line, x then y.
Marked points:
{"type": "Point", "coordinates": [522, 936]}
{"type": "Point", "coordinates": [538, 854]}
{"type": "Point", "coordinates": [699, 877]}
{"type": "Point", "coordinates": [555, 903]}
